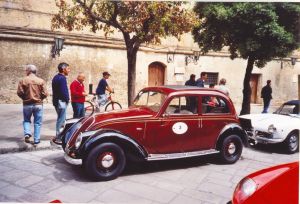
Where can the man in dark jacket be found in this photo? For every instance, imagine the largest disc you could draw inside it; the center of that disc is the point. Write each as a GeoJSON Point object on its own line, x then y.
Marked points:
{"type": "Point", "coordinates": [266, 94]}
{"type": "Point", "coordinates": [60, 97]}
{"type": "Point", "coordinates": [191, 81]}
{"type": "Point", "coordinates": [32, 90]}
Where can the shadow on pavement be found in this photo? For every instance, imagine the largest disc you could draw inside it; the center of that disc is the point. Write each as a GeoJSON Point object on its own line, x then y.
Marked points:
{"type": "Point", "coordinates": [269, 148]}
{"type": "Point", "coordinates": [66, 172]}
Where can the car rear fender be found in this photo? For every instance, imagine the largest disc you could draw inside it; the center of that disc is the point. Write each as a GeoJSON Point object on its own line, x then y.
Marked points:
{"type": "Point", "coordinates": [229, 129]}
{"type": "Point", "coordinates": [132, 149]}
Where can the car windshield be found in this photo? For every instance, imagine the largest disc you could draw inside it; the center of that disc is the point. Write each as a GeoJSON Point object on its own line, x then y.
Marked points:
{"type": "Point", "coordinates": [150, 99]}
{"type": "Point", "coordinates": [288, 109]}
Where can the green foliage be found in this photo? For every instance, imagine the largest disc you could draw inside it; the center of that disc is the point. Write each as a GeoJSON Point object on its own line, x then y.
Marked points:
{"type": "Point", "coordinates": [146, 21]}
{"type": "Point", "coordinates": [262, 31]}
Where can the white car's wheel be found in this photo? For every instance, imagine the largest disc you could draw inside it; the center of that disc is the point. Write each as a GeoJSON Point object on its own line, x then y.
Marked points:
{"type": "Point", "coordinates": [292, 142]}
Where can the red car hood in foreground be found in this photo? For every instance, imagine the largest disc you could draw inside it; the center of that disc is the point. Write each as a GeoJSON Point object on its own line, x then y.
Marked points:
{"type": "Point", "coordinates": [275, 185]}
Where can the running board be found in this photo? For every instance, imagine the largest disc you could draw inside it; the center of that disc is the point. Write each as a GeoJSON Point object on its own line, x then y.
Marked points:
{"type": "Point", "coordinates": [153, 157]}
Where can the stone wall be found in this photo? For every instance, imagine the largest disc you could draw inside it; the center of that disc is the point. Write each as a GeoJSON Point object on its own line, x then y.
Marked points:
{"type": "Point", "coordinates": [26, 38]}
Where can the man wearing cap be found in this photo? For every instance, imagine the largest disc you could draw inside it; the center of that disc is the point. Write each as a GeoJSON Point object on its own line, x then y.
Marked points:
{"type": "Point", "coordinates": [266, 95]}
{"type": "Point", "coordinates": [101, 88]}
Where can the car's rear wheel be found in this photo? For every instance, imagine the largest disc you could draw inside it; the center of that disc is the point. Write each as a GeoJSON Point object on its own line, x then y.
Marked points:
{"type": "Point", "coordinates": [231, 149]}
{"type": "Point", "coordinates": [105, 161]}
{"type": "Point", "coordinates": [292, 142]}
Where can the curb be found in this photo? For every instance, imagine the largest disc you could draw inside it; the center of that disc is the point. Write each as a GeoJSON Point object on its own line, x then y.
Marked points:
{"type": "Point", "coordinates": [44, 145]}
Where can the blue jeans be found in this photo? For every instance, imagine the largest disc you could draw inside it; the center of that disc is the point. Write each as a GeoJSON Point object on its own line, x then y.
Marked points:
{"type": "Point", "coordinates": [78, 110]}
{"type": "Point", "coordinates": [61, 110]}
{"type": "Point", "coordinates": [37, 112]}
{"type": "Point", "coordinates": [266, 105]}
{"type": "Point", "coordinates": [102, 99]}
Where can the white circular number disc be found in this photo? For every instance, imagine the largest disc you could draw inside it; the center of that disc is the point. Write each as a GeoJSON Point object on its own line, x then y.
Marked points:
{"type": "Point", "coordinates": [179, 128]}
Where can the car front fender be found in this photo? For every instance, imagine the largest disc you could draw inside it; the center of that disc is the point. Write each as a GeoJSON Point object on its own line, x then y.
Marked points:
{"type": "Point", "coordinates": [128, 144]}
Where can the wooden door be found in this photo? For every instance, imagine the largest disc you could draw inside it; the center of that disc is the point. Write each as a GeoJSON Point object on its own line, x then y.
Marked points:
{"type": "Point", "coordinates": [156, 74]}
{"type": "Point", "coordinates": [254, 86]}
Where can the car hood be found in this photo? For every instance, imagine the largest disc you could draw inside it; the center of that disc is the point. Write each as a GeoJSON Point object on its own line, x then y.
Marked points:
{"type": "Point", "coordinates": [125, 114]}
{"type": "Point", "coordinates": [279, 183]}
{"type": "Point", "coordinates": [262, 121]}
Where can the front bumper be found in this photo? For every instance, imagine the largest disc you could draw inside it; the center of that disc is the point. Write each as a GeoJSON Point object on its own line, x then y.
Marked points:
{"type": "Point", "coordinates": [72, 160]}
{"type": "Point", "coordinates": [263, 137]}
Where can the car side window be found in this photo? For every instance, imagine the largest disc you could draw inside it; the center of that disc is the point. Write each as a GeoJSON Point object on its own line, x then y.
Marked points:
{"type": "Point", "coordinates": [214, 105]}
{"type": "Point", "coordinates": [183, 105]}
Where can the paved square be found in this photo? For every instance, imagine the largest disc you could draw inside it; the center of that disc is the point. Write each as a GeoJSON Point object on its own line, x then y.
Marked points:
{"type": "Point", "coordinates": [43, 176]}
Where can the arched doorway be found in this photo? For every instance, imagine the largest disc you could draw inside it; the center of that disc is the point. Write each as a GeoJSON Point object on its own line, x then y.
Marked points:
{"type": "Point", "coordinates": [156, 74]}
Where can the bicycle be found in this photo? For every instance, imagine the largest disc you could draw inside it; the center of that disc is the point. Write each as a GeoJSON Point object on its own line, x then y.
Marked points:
{"type": "Point", "coordinates": [92, 105]}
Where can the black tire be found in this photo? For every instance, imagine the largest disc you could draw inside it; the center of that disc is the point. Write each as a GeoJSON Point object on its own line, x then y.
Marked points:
{"type": "Point", "coordinates": [291, 143]}
{"type": "Point", "coordinates": [88, 108]}
{"type": "Point", "coordinates": [98, 164]}
{"type": "Point", "coordinates": [231, 149]}
{"type": "Point", "coordinates": [113, 106]}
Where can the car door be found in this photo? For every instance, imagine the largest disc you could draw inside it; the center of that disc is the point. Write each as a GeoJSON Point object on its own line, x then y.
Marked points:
{"type": "Point", "coordinates": [177, 129]}
{"type": "Point", "coordinates": [215, 114]}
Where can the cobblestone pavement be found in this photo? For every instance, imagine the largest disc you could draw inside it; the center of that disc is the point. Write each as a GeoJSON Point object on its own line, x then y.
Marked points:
{"type": "Point", "coordinates": [43, 176]}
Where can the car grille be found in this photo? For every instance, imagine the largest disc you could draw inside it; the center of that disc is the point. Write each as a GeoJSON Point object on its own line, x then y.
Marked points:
{"type": "Point", "coordinates": [263, 134]}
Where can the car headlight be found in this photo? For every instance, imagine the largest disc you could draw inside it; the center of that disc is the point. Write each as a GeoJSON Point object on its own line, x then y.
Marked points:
{"type": "Point", "coordinates": [78, 141]}
{"type": "Point", "coordinates": [244, 189]}
{"type": "Point", "coordinates": [81, 136]}
{"type": "Point", "coordinates": [271, 128]}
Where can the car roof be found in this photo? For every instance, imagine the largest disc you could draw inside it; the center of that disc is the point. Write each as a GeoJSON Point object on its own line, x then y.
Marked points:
{"type": "Point", "coordinates": [168, 89]}
{"type": "Point", "coordinates": [293, 102]}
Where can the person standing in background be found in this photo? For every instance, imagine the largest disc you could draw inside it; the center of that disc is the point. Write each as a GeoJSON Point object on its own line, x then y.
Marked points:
{"type": "Point", "coordinates": [78, 96]}
{"type": "Point", "coordinates": [60, 97]}
{"type": "Point", "coordinates": [222, 86]}
{"type": "Point", "coordinates": [266, 95]}
{"type": "Point", "coordinates": [191, 81]}
{"type": "Point", "coordinates": [32, 90]}
{"type": "Point", "coordinates": [201, 81]}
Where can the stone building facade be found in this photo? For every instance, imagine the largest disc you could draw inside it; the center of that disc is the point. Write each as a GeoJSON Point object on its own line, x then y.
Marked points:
{"type": "Point", "coordinates": [26, 38]}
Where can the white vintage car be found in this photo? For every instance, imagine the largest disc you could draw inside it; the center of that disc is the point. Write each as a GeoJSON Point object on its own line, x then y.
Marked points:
{"type": "Point", "coordinates": [282, 126]}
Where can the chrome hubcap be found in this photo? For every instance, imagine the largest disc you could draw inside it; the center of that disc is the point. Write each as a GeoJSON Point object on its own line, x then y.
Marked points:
{"type": "Point", "coordinates": [231, 148]}
{"type": "Point", "coordinates": [293, 142]}
{"type": "Point", "coordinates": [107, 161]}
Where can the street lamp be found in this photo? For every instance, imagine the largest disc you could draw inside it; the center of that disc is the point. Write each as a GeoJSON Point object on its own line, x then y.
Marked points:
{"type": "Point", "coordinates": [192, 58]}
{"type": "Point", "coordinates": [58, 46]}
{"type": "Point", "coordinates": [171, 55]}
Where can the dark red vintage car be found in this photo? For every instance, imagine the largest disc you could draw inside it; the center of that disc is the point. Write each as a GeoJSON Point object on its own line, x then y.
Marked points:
{"type": "Point", "coordinates": [167, 122]}
{"type": "Point", "coordinates": [275, 185]}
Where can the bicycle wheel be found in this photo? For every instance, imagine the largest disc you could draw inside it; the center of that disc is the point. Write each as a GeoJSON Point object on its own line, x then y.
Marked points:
{"type": "Point", "coordinates": [88, 108]}
{"type": "Point", "coordinates": [113, 106]}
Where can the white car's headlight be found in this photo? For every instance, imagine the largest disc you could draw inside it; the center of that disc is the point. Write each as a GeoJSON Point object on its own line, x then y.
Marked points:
{"type": "Point", "coordinates": [271, 128]}
{"type": "Point", "coordinates": [82, 135]}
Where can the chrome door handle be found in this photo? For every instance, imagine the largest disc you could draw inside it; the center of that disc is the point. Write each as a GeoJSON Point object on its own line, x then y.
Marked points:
{"type": "Point", "coordinates": [139, 129]}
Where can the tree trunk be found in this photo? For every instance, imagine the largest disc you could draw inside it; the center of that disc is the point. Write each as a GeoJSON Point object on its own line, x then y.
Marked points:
{"type": "Point", "coordinates": [131, 59]}
{"type": "Point", "coordinates": [247, 87]}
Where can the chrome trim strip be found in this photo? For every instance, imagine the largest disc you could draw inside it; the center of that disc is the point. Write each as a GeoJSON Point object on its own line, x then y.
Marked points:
{"type": "Point", "coordinates": [154, 157]}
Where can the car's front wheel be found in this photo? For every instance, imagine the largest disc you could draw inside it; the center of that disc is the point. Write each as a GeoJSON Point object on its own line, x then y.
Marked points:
{"type": "Point", "coordinates": [292, 142]}
{"type": "Point", "coordinates": [231, 149]}
{"type": "Point", "coordinates": [105, 161]}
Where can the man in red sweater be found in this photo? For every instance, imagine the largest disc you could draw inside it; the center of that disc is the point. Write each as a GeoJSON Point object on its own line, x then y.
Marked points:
{"type": "Point", "coordinates": [78, 96]}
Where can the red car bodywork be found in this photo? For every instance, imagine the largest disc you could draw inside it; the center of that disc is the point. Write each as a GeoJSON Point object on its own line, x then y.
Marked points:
{"type": "Point", "coordinates": [152, 130]}
{"type": "Point", "coordinates": [275, 185]}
